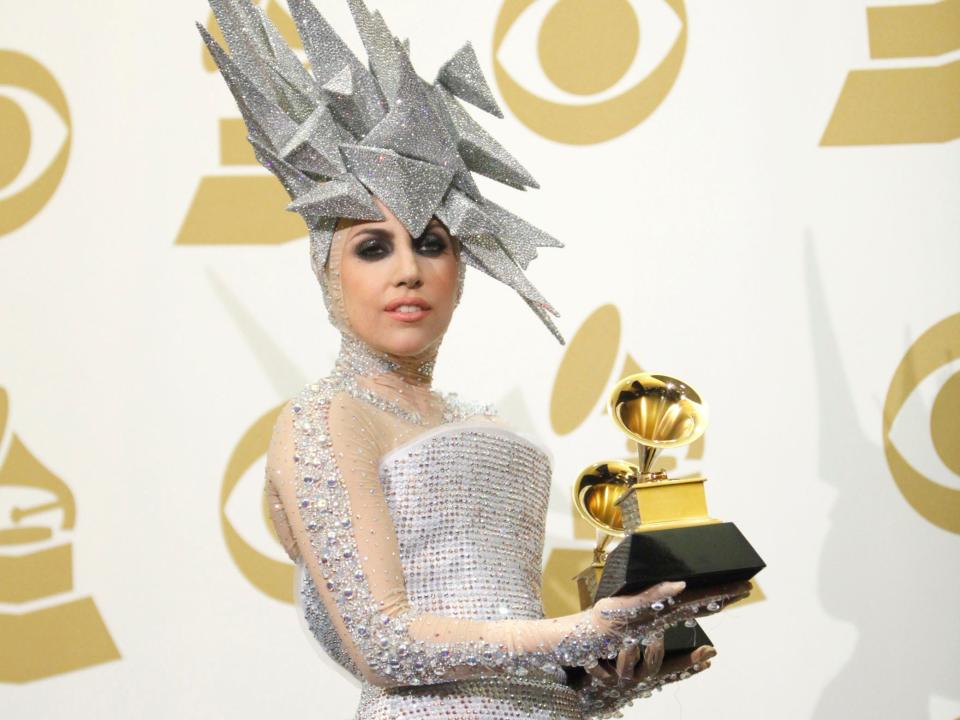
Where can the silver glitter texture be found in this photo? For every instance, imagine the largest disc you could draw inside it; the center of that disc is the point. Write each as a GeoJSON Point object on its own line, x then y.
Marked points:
{"type": "Point", "coordinates": [345, 196]}
{"type": "Point", "coordinates": [409, 142]}
{"type": "Point", "coordinates": [468, 501]}
{"type": "Point", "coordinates": [462, 76]}
{"type": "Point", "coordinates": [483, 699]}
{"type": "Point", "coordinates": [411, 188]}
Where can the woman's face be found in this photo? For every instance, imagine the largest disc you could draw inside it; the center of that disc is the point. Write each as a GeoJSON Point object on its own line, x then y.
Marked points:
{"type": "Point", "coordinates": [399, 292]}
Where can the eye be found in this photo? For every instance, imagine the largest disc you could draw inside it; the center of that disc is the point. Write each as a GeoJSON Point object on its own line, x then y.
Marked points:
{"type": "Point", "coordinates": [921, 423]}
{"type": "Point", "coordinates": [431, 244]}
{"type": "Point", "coordinates": [585, 71]}
{"type": "Point", "coordinates": [920, 428]}
{"type": "Point", "coordinates": [372, 248]}
{"type": "Point", "coordinates": [36, 122]}
{"type": "Point", "coordinates": [246, 529]}
{"type": "Point", "coordinates": [561, 63]}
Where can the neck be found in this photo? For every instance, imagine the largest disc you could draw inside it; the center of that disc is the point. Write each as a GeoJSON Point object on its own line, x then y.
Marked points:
{"type": "Point", "coordinates": [358, 358]}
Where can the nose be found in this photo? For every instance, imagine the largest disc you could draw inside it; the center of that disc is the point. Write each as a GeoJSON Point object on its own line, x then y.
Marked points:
{"type": "Point", "coordinates": [408, 267]}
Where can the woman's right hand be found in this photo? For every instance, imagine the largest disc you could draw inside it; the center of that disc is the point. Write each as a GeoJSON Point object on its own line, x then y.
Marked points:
{"type": "Point", "coordinates": [617, 614]}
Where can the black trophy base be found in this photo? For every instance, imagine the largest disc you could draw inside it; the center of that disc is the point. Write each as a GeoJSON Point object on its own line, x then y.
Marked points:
{"type": "Point", "coordinates": [683, 640]}
{"type": "Point", "coordinates": [700, 555]}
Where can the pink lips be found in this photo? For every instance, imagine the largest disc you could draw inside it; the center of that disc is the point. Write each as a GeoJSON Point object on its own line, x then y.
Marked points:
{"type": "Point", "coordinates": [401, 309]}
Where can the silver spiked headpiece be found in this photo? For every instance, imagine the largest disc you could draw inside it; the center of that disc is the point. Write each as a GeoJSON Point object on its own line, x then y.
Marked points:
{"type": "Point", "coordinates": [341, 132]}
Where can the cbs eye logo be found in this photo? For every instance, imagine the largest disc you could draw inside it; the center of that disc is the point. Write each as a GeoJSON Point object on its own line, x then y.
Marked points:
{"type": "Point", "coordinates": [256, 551]}
{"type": "Point", "coordinates": [585, 71]}
{"type": "Point", "coordinates": [35, 138]}
{"type": "Point", "coordinates": [921, 425]}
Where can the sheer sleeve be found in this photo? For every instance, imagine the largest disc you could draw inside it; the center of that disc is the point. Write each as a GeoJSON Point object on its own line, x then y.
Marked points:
{"type": "Point", "coordinates": [323, 463]}
{"type": "Point", "coordinates": [280, 523]}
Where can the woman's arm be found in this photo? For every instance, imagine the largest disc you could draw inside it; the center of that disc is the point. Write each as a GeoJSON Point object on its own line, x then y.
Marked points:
{"type": "Point", "coordinates": [279, 519]}
{"type": "Point", "coordinates": [323, 463]}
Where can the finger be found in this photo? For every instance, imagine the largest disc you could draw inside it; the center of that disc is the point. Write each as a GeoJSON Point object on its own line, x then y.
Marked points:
{"type": "Point", "coordinates": [626, 662]}
{"type": "Point", "coordinates": [695, 662]}
{"type": "Point", "coordinates": [599, 672]}
{"type": "Point", "coordinates": [708, 601]}
{"type": "Point", "coordinates": [711, 606]}
{"type": "Point", "coordinates": [729, 590]}
{"type": "Point", "coordinates": [652, 659]}
{"type": "Point", "coordinates": [657, 593]}
{"type": "Point", "coordinates": [703, 654]}
{"type": "Point", "coordinates": [660, 591]}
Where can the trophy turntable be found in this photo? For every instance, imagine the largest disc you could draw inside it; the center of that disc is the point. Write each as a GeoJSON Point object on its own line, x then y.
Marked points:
{"type": "Point", "coordinates": [667, 533]}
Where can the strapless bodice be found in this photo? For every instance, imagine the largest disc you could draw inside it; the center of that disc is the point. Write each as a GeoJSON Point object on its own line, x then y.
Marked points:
{"type": "Point", "coordinates": [469, 503]}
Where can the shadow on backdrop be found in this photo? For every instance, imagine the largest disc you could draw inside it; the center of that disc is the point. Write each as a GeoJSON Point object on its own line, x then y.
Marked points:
{"type": "Point", "coordinates": [876, 572]}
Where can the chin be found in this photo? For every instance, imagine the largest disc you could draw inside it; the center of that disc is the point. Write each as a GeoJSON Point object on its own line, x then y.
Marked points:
{"type": "Point", "coordinates": [407, 342]}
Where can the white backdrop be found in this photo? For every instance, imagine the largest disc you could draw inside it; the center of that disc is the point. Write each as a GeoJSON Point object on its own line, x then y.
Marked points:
{"type": "Point", "coordinates": [784, 273]}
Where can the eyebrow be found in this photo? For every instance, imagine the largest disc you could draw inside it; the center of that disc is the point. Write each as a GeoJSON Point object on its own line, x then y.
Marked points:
{"type": "Point", "coordinates": [434, 223]}
{"type": "Point", "coordinates": [378, 233]}
{"type": "Point", "coordinates": [384, 234]}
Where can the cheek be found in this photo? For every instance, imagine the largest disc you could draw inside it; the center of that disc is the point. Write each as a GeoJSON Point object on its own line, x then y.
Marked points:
{"type": "Point", "coordinates": [359, 282]}
{"type": "Point", "coordinates": [447, 280]}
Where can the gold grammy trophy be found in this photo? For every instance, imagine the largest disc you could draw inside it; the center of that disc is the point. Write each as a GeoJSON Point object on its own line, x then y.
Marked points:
{"type": "Point", "coordinates": [666, 531]}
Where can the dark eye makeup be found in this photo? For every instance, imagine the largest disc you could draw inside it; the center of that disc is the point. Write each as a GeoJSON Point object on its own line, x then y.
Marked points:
{"type": "Point", "coordinates": [431, 244]}
{"type": "Point", "coordinates": [375, 245]}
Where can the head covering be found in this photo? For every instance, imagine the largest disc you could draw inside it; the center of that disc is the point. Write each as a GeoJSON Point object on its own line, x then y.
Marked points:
{"type": "Point", "coordinates": [343, 131]}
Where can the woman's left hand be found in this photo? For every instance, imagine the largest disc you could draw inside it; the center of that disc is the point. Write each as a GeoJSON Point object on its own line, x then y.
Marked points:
{"type": "Point", "coordinates": [644, 664]}
{"type": "Point", "coordinates": [632, 668]}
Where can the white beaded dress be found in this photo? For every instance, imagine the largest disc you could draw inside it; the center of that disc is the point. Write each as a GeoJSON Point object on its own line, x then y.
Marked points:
{"type": "Point", "coordinates": [419, 535]}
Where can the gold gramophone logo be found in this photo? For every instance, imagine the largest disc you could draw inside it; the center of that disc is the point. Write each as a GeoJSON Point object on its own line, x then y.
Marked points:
{"type": "Point", "coordinates": [910, 95]}
{"type": "Point", "coordinates": [44, 628]}
{"type": "Point", "coordinates": [270, 576]}
{"type": "Point", "coordinates": [35, 138]}
{"type": "Point", "coordinates": [241, 204]}
{"type": "Point", "coordinates": [585, 71]}
{"type": "Point", "coordinates": [921, 440]}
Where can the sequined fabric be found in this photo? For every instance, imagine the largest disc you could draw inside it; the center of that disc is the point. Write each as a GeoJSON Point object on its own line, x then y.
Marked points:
{"type": "Point", "coordinates": [460, 555]}
{"type": "Point", "coordinates": [472, 700]}
{"type": "Point", "coordinates": [419, 524]}
{"type": "Point", "coordinates": [471, 543]}
{"type": "Point", "coordinates": [471, 547]}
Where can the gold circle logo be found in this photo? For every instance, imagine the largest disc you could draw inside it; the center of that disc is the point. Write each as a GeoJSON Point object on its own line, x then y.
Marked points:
{"type": "Point", "coordinates": [599, 69]}
{"type": "Point", "coordinates": [585, 370]}
{"type": "Point", "coordinates": [272, 577]}
{"type": "Point", "coordinates": [936, 348]}
{"type": "Point", "coordinates": [33, 85]}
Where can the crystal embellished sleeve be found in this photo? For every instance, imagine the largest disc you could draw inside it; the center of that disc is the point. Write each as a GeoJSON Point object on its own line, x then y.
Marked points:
{"type": "Point", "coordinates": [323, 462]}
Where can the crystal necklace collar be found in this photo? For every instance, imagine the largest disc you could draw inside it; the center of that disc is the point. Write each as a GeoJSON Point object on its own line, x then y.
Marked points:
{"type": "Point", "coordinates": [358, 358]}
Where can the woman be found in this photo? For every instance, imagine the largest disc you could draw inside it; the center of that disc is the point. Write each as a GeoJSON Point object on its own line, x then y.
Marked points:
{"type": "Point", "coordinates": [420, 552]}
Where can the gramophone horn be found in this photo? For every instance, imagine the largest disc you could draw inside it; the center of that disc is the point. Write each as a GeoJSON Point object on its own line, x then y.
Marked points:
{"type": "Point", "coordinates": [597, 489]}
{"type": "Point", "coordinates": [656, 412]}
